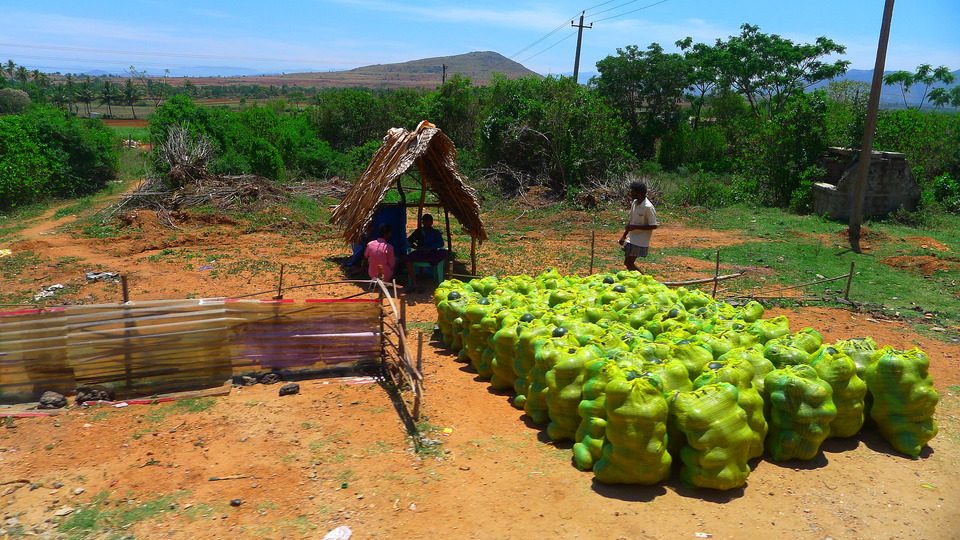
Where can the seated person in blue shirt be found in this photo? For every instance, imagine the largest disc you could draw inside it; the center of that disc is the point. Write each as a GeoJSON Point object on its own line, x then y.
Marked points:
{"type": "Point", "coordinates": [427, 244]}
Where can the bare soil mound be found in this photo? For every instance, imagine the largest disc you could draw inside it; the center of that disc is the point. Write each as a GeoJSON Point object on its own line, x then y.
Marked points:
{"type": "Point", "coordinates": [924, 264]}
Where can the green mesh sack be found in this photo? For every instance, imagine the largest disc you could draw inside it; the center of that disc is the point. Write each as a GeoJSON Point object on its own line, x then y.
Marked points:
{"type": "Point", "coordinates": [564, 391]}
{"type": "Point", "coordinates": [752, 311]}
{"type": "Point", "coordinates": [695, 299]}
{"type": "Point", "coordinates": [591, 433]}
{"type": "Point", "coordinates": [693, 355]}
{"type": "Point", "coordinates": [782, 353]}
{"type": "Point", "coordinates": [754, 355]}
{"type": "Point", "coordinates": [503, 343]}
{"type": "Point", "coordinates": [673, 377]}
{"type": "Point", "coordinates": [635, 449]}
{"type": "Point", "coordinates": [638, 315]}
{"type": "Point", "coordinates": [807, 339]}
{"type": "Point", "coordinates": [451, 327]}
{"type": "Point", "coordinates": [767, 329]}
{"type": "Point", "coordinates": [801, 409]}
{"type": "Point", "coordinates": [672, 374]}
{"type": "Point", "coordinates": [531, 335]}
{"type": "Point", "coordinates": [477, 329]}
{"type": "Point", "coordinates": [717, 436]}
{"type": "Point", "coordinates": [545, 358]}
{"type": "Point", "coordinates": [838, 369]}
{"type": "Point", "coordinates": [652, 349]}
{"type": "Point", "coordinates": [860, 350]}
{"type": "Point", "coordinates": [720, 343]}
{"type": "Point", "coordinates": [739, 373]}
{"type": "Point", "coordinates": [903, 398]}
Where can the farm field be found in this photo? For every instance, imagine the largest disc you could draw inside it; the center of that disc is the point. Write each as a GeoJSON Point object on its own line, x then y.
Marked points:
{"type": "Point", "coordinates": [336, 454]}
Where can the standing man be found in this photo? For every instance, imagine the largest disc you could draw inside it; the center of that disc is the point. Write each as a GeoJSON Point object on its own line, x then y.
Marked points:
{"type": "Point", "coordinates": [640, 226]}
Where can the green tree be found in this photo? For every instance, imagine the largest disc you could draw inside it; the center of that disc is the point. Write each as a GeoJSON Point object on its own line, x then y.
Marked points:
{"type": "Point", "coordinates": [455, 108]}
{"type": "Point", "coordinates": [60, 96]}
{"type": "Point", "coordinates": [22, 75]}
{"type": "Point", "coordinates": [925, 75]}
{"type": "Point", "coordinates": [108, 95]}
{"type": "Point", "coordinates": [10, 68]}
{"type": "Point", "coordinates": [130, 95]}
{"type": "Point", "coordinates": [13, 100]}
{"type": "Point", "coordinates": [86, 94]}
{"type": "Point", "coordinates": [768, 69]}
{"type": "Point", "coordinates": [847, 103]}
{"type": "Point", "coordinates": [553, 129]}
{"type": "Point", "coordinates": [645, 87]}
{"type": "Point", "coordinates": [703, 73]}
{"type": "Point", "coordinates": [942, 97]}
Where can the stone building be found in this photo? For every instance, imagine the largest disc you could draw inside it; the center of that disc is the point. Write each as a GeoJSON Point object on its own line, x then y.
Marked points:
{"type": "Point", "coordinates": [890, 184]}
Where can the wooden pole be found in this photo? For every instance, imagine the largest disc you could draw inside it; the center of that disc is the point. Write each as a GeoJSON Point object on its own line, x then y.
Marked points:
{"type": "Point", "coordinates": [593, 242]}
{"type": "Point", "coordinates": [448, 264]}
{"type": "Point", "coordinates": [473, 255]}
{"type": "Point", "coordinates": [279, 295]}
{"type": "Point", "coordinates": [124, 290]}
{"type": "Point", "coordinates": [870, 126]}
{"type": "Point", "coordinates": [846, 290]}
{"type": "Point", "coordinates": [716, 274]}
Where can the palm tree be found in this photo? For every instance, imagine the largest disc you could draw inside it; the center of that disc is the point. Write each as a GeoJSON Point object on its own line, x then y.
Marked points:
{"type": "Point", "coordinates": [22, 75]}
{"type": "Point", "coordinates": [71, 92]}
{"type": "Point", "coordinates": [131, 95]}
{"type": "Point", "coordinates": [10, 68]}
{"type": "Point", "coordinates": [85, 94]}
{"type": "Point", "coordinates": [109, 94]}
{"type": "Point", "coordinates": [61, 96]}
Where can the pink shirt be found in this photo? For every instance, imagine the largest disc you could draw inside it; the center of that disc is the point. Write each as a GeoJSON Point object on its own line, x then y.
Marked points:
{"type": "Point", "coordinates": [380, 252]}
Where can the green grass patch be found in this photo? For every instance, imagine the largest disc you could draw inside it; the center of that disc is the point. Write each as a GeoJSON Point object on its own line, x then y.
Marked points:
{"type": "Point", "coordinates": [81, 205]}
{"type": "Point", "coordinates": [15, 264]}
{"type": "Point", "coordinates": [98, 520]}
{"type": "Point", "coordinates": [125, 133]}
{"type": "Point", "coordinates": [181, 406]}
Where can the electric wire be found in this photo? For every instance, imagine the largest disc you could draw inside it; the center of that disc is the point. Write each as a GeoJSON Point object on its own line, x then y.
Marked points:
{"type": "Point", "coordinates": [548, 48]}
{"type": "Point", "coordinates": [633, 11]}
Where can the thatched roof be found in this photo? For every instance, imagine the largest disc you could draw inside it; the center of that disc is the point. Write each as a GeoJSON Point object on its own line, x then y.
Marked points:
{"type": "Point", "coordinates": [435, 157]}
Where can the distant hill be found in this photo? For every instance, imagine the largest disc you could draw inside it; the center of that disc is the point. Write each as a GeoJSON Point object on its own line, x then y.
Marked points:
{"type": "Point", "coordinates": [890, 96]}
{"type": "Point", "coordinates": [424, 73]}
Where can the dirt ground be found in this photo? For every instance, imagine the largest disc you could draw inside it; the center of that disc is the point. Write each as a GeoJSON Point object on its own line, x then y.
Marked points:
{"type": "Point", "coordinates": [336, 454]}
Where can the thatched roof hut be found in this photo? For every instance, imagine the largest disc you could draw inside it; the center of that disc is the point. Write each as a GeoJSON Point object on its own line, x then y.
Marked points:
{"type": "Point", "coordinates": [435, 157]}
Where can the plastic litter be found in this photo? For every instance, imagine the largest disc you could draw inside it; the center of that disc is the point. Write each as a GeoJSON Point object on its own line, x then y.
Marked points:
{"type": "Point", "coordinates": [102, 276]}
{"type": "Point", "coordinates": [5, 253]}
{"type": "Point", "coordinates": [447, 431]}
{"type": "Point", "coordinates": [340, 533]}
{"type": "Point", "coordinates": [48, 291]}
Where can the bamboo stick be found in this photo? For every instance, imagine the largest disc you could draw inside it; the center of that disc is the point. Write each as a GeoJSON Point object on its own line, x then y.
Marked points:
{"type": "Point", "coordinates": [716, 274]}
{"type": "Point", "coordinates": [704, 280]}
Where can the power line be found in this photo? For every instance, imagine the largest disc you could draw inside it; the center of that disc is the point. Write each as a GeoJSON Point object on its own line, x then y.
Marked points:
{"type": "Point", "coordinates": [570, 35]}
{"type": "Point", "coordinates": [633, 11]}
{"type": "Point", "coordinates": [614, 7]}
{"type": "Point", "coordinates": [534, 44]}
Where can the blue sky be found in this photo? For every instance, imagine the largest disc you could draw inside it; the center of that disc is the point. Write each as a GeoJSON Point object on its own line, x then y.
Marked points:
{"type": "Point", "coordinates": [315, 35]}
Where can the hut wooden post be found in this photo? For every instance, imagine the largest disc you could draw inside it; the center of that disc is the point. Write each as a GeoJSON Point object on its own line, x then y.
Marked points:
{"type": "Point", "coordinates": [473, 255]}
{"type": "Point", "coordinates": [448, 264]}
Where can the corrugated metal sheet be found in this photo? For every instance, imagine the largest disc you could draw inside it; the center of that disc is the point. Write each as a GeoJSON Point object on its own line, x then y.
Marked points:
{"type": "Point", "coordinates": [149, 347]}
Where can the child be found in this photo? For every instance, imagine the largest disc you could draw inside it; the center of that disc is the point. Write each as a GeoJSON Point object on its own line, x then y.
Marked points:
{"type": "Point", "coordinates": [379, 253]}
{"type": "Point", "coordinates": [640, 226]}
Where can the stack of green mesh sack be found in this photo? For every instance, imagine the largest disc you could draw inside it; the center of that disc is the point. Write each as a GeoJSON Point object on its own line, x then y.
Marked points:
{"type": "Point", "coordinates": [640, 376]}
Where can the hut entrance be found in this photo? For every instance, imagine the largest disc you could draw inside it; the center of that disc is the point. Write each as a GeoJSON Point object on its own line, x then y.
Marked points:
{"type": "Point", "coordinates": [389, 187]}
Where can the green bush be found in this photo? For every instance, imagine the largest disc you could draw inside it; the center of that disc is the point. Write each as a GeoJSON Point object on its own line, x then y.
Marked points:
{"type": "Point", "coordinates": [946, 190]}
{"type": "Point", "coordinates": [48, 152]}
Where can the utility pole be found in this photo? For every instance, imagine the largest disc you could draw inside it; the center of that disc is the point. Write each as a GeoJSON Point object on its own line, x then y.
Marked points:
{"type": "Point", "coordinates": [443, 78]}
{"type": "Point", "coordinates": [576, 61]}
{"type": "Point", "coordinates": [870, 126]}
